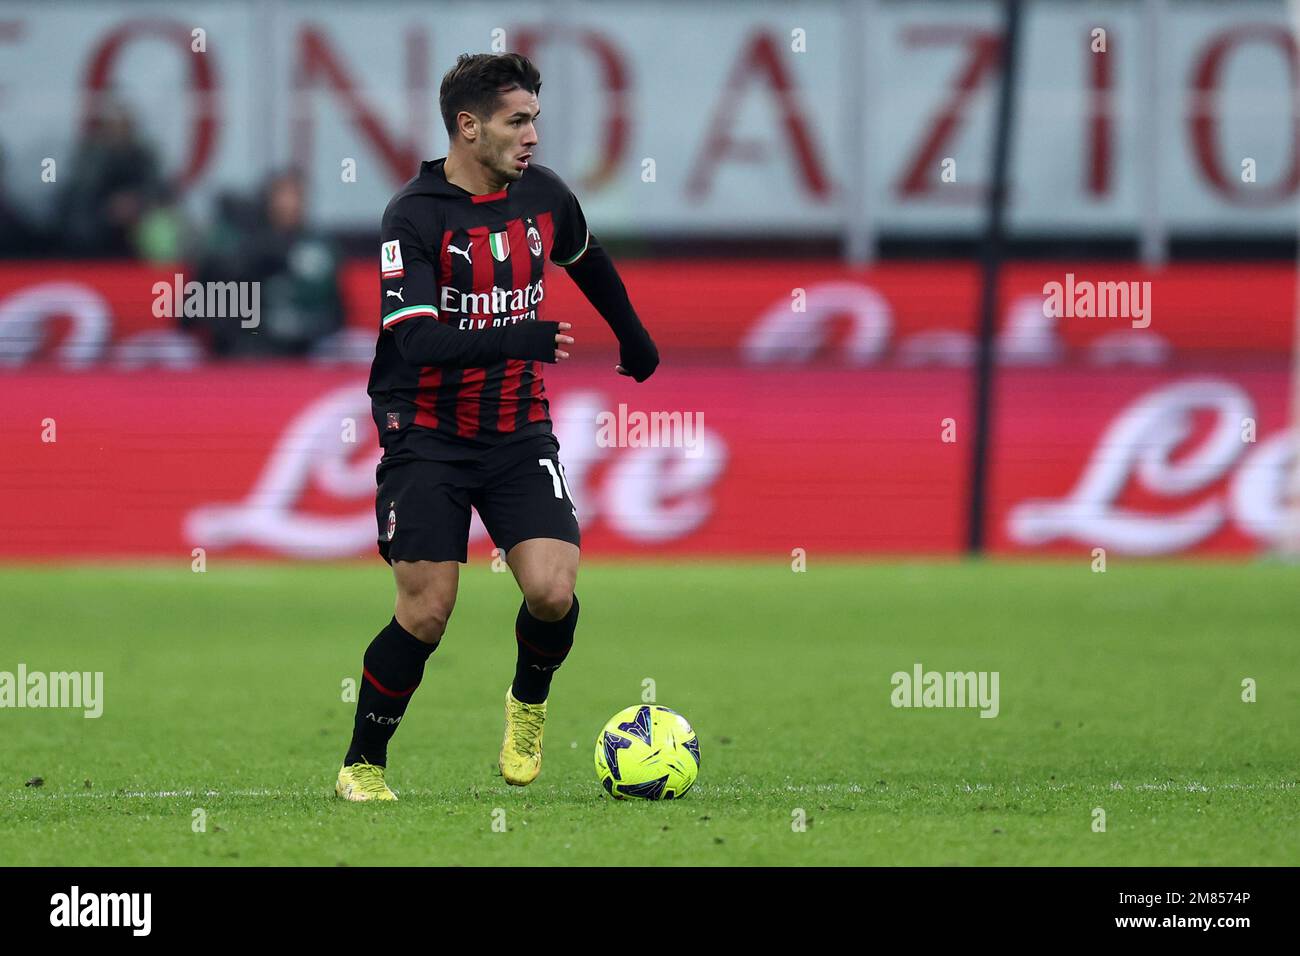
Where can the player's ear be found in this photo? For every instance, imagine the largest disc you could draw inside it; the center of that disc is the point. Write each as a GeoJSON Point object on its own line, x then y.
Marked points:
{"type": "Point", "coordinates": [468, 124]}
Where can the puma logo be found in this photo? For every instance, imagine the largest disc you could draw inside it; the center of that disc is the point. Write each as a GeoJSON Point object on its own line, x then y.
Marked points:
{"type": "Point", "coordinates": [397, 294]}
{"type": "Point", "coordinates": [460, 252]}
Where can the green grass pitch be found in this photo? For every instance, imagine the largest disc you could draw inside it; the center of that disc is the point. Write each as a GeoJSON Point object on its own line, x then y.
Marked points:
{"type": "Point", "coordinates": [223, 692]}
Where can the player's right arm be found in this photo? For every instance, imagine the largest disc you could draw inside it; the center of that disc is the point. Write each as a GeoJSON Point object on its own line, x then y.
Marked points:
{"type": "Point", "coordinates": [409, 311]}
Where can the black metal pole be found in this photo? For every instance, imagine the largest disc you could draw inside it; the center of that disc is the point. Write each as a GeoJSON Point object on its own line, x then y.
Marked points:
{"type": "Point", "coordinates": [991, 262]}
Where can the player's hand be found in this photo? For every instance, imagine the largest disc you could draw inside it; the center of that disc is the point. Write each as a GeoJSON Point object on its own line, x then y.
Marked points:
{"type": "Point", "coordinates": [561, 339]}
{"type": "Point", "coordinates": [638, 361]}
{"type": "Point", "coordinates": [537, 341]}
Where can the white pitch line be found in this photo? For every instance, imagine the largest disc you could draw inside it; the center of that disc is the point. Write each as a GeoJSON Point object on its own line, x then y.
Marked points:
{"type": "Point", "coordinates": [1190, 787]}
{"type": "Point", "coordinates": [168, 794]}
{"type": "Point", "coordinates": [323, 791]}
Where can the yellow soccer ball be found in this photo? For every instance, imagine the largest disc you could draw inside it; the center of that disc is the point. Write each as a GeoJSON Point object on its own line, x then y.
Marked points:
{"type": "Point", "coordinates": [649, 752]}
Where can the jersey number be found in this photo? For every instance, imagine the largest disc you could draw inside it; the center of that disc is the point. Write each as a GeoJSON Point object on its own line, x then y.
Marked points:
{"type": "Point", "coordinates": [557, 479]}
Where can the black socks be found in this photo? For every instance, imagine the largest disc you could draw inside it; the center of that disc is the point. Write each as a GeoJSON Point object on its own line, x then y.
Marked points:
{"type": "Point", "coordinates": [393, 666]}
{"type": "Point", "coordinates": [543, 646]}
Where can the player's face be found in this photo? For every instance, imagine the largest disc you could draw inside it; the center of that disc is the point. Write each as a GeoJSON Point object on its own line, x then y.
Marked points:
{"type": "Point", "coordinates": [508, 139]}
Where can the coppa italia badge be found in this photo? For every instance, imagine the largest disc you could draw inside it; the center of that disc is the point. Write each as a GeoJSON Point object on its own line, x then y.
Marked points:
{"type": "Point", "coordinates": [390, 260]}
{"type": "Point", "coordinates": [534, 241]}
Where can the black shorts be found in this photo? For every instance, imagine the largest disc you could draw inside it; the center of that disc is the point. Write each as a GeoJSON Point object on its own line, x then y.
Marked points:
{"type": "Point", "coordinates": [519, 490]}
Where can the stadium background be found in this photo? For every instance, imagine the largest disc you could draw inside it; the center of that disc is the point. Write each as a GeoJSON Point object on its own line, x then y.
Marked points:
{"type": "Point", "coordinates": [779, 208]}
{"type": "Point", "coordinates": [795, 194]}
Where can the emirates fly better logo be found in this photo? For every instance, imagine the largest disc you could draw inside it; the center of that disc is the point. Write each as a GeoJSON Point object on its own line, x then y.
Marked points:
{"type": "Point", "coordinates": [520, 302]}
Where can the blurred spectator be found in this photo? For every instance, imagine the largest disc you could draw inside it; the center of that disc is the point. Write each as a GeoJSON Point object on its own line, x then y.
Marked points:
{"type": "Point", "coordinates": [162, 235]}
{"type": "Point", "coordinates": [18, 237]}
{"type": "Point", "coordinates": [115, 182]}
{"type": "Point", "coordinates": [300, 302]}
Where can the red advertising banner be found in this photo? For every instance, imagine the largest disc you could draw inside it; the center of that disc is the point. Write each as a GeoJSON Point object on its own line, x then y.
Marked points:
{"type": "Point", "coordinates": [1140, 462]}
{"type": "Point", "coordinates": [279, 461]}
{"type": "Point", "coordinates": [778, 312]}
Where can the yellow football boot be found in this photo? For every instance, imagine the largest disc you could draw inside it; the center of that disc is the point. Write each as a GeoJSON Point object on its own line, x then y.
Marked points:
{"type": "Point", "coordinates": [521, 750]}
{"type": "Point", "coordinates": [362, 781]}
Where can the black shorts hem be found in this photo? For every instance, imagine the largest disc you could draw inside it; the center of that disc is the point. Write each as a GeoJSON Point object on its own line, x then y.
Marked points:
{"type": "Point", "coordinates": [383, 550]}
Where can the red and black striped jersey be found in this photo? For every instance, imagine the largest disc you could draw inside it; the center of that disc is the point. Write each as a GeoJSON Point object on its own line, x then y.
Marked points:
{"type": "Point", "coordinates": [472, 263]}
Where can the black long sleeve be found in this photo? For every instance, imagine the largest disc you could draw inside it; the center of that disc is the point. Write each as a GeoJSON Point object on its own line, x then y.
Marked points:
{"type": "Point", "coordinates": [595, 275]}
{"type": "Point", "coordinates": [426, 341]}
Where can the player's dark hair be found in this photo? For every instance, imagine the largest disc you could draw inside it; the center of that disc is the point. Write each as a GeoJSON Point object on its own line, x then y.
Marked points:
{"type": "Point", "coordinates": [476, 82]}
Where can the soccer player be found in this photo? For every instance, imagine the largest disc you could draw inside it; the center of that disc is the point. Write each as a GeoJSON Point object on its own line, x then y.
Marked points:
{"type": "Point", "coordinates": [457, 395]}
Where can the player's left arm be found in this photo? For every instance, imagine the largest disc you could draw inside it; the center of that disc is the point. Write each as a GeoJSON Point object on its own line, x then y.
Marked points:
{"type": "Point", "coordinates": [592, 270]}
